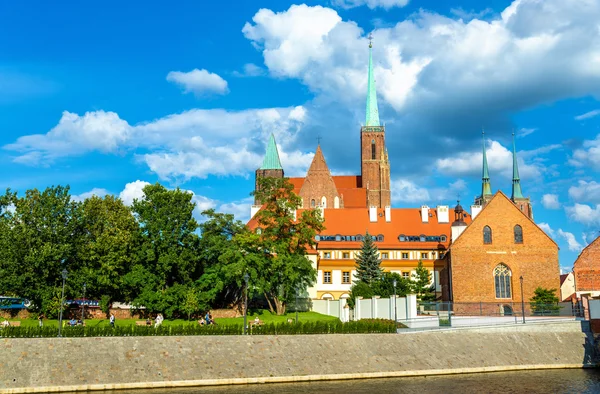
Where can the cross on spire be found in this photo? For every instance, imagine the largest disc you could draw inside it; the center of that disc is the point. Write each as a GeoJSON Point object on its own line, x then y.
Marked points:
{"type": "Point", "coordinates": [370, 37]}
{"type": "Point", "coordinates": [318, 140]}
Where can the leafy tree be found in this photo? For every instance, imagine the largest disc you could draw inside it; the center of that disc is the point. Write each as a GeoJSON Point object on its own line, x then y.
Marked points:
{"type": "Point", "coordinates": [422, 283]}
{"type": "Point", "coordinates": [191, 305]}
{"type": "Point", "coordinates": [278, 255]}
{"type": "Point", "coordinates": [544, 301]}
{"type": "Point", "coordinates": [368, 263]}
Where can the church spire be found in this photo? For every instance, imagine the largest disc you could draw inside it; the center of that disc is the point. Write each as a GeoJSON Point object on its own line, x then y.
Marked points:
{"type": "Point", "coordinates": [372, 111]}
{"type": "Point", "coordinates": [486, 188]}
{"type": "Point", "coordinates": [516, 182]}
{"type": "Point", "coordinates": [271, 160]}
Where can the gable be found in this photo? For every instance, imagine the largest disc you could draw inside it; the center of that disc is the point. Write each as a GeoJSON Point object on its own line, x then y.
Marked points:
{"type": "Point", "coordinates": [586, 257]}
{"type": "Point", "coordinates": [501, 215]}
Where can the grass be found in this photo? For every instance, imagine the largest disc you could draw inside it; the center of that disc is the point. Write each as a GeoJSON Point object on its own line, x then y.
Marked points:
{"type": "Point", "coordinates": [264, 315]}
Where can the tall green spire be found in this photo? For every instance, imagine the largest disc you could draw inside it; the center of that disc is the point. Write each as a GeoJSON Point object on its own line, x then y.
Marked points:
{"type": "Point", "coordinates": [516, 182]}
{"type": "Point", "coordinates": [271, 160]}
{"type": "Point", "coordinates": [372, 111]}
{"type": "Point", "coordinates": [486, 187]}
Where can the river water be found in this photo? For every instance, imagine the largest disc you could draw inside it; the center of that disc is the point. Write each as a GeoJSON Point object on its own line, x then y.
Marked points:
{"type": "Point", "coordinates": [548, 381]}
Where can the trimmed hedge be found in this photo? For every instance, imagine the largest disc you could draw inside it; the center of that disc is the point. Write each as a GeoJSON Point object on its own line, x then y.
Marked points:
{"type": "Point", "coordinates": [370, 326]}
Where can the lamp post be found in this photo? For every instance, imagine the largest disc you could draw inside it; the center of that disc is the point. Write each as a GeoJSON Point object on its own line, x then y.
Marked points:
{"type": "Point", "coordinates": [83, 305]}
{"type": "Point", "coordinates": [246, 278]}
{"type": "Point", "coordinates": [297, 291]}
{"type": "Point", "coordinates": [522, 299]}
{"type": "Point", "coordinates": [62, 301]}
{"type": "Point", "coordinates": [395, 309]}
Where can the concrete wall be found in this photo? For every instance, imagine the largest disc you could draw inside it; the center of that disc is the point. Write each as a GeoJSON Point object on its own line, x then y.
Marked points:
{"type": "Point", "coordinates": [138, 362]}
{"type": "Point", "coordinates": [383, 308]}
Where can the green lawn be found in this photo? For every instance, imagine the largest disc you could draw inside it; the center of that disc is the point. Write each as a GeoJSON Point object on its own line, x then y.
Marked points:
{"type": "Point", "coordinates": [263, 315]}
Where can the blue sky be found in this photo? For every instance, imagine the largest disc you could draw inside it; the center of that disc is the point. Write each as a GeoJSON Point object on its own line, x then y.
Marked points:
{"type": "Point", "coordinates": [105, 97]}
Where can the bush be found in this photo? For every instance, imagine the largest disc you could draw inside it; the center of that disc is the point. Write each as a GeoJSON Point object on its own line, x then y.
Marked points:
{"type": "Point", "coordinates": [312, 327]}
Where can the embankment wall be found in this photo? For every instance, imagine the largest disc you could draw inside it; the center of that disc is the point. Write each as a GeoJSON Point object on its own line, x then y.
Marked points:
{"type": "Point", "coordinates": [69, 364]}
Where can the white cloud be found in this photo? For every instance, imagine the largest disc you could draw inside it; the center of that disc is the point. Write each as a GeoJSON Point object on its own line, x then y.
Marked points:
{"type": "Point", "coordinates": [198, 81]}
{"type": "Point", "coordinates": [584, 214]}
{"type": "Point", "coordinates": [407, 191]}
{"type": "Point", "coordinates": [550, 201]}
{"type": "Point", "coordinates": [588, 155]}
{"type": "Point", "coordinates": [572, 242]}
{"type": "Point", "coordinates": [73, 135]}
{"type": "Point", "coordinates": [525, 132]}
{"type": "Point", "coordinates": [132, 191]}
{"type": "Point", "coordinates": [588, 115]}
{"type": "Point", "coordinates": [547, 229]}
{"type": "Point", "coordinates": [586, 191]}
{"type": "Point", "coordinates": [387, 4]}
{"type": "Point", "coordinates": [99, 192]}
{"type": "Point", "coordinates": [250, 70]}
{"type": "Point", "coordinates": [239, 209]}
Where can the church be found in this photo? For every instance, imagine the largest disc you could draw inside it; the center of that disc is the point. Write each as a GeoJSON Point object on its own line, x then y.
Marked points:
{"type": "Point", "coordinates": [439, 237]}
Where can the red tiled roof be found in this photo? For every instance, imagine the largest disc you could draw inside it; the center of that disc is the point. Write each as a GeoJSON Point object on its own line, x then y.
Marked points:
{"type": "Point", "coordinates": [349, 188]}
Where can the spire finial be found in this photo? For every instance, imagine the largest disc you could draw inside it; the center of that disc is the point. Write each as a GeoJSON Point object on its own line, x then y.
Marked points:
{"type": "Point", "coordinates": [372, 110]}
{"type": "Point", "coordinates": [516, 182]}
{"type": "Point", "coordinates": [318, 140]}
{"type": "Point", "coordinates": [486, 188]}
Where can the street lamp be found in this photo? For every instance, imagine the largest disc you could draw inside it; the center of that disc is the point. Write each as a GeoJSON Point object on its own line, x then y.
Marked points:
{"type": "Point", "coordinates": [297, 291]}
{"type": "Point", "coordinates": [395, 309]}
{"type": "Point", "coordinates": [522, 298]}
{"type": "Point", "coordinates": [83, 305]}
{"type": "Point", "coordinates": [246, 278]}
{"type": "Point", "coordinates": [62, 301]}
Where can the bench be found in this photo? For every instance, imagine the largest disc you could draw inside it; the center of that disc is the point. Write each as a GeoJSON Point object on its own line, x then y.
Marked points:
{"type": "Point", "coordinates": [254, 323]}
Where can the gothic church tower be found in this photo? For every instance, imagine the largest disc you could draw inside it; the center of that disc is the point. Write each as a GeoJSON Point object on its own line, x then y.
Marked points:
{"type": "Point", "coordinates": [271, 166]}
{"type": "Point", "coordinates": [375, 165]}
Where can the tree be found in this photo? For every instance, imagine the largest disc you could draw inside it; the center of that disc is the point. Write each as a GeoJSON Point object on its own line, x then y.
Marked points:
{"type": "Point", "coordinates": [422, 283]}
{"type": "Point", "coordinates": [368, 263]}
{"type": "Point", "coordinates": [279, 254]}
{"type": "Point", "coordinates": [544, 301]}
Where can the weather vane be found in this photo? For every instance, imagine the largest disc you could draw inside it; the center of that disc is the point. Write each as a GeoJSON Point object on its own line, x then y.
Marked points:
{"type": "Point", "coordinates": [370, 40]}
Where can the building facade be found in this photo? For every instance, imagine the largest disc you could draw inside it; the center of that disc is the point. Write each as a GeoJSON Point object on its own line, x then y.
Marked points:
{"type": "Point", "coordinates": [586, 271]}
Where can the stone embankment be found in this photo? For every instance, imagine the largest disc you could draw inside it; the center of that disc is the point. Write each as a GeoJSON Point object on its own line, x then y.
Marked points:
{"type": "Point", "coordinates": [73, 364]}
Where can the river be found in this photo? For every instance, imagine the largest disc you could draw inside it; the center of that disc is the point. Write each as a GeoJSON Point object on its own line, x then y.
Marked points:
{"type": "Point", "coordinates": [547, 381]}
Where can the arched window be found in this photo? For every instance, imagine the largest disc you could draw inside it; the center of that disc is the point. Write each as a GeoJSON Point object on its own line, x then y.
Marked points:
{"type": "Point", "coordinates": [373, 149]}
{"type": "Point", "coordinates": [258, 230]}
{"type": "Point", "coordinates": [518, 234]}
{"type": "Point", "coordinates": [502, 275]}
{"type": "Point", "coordinates": [324, 202]}
{"type": "Point", "coordinates": [487, 235]}
{"type": "Point", "coordinates": [336, 202]}
{"type": "Point", "coordinates": [380, 238]}
{"type": "Point", "coordinates": [312, 203]}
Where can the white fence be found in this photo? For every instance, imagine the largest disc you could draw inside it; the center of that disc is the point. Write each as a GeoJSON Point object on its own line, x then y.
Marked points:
{"type": "Point", "coordinates": [371, 308]}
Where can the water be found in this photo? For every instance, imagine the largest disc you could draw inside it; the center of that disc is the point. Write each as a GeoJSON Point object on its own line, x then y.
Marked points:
{"type": "Point", "coordinates": [548, 381]}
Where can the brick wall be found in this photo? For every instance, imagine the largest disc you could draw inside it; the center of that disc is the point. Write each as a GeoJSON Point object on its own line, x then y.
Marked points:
{"type": "Point", "coordinates": [587, 268]}
{"type": "Point", "coordinates": [473, 262]}
{"type": "Point", "coordinates": [375, 177]}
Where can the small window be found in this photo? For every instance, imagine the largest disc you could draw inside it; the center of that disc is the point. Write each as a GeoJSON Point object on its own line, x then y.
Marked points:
{"type": "Point", "coordinates": [373, 150]}
{"type": "Point", "coordinates": [327, 277]}
{"type": "Point", "coordinates": [443, 238]}
{"type": "Point", "coordinates": [346, 255]}
{"type": "Point", "coordinates": [487, 235]}
{"type": "Point", "coordinates": [433, 255]}
{"type": "Point", "coordinates": [317, 238]}
{"type": "Point", "coordinates": [405, 255]}
{"type": "Point", "coordinates": [326, 255]}
{"type": "Point", "coordinates": [346, 277]}
{"type": "Point", "coordinates": [385, 255]}
{"type": "Point", "coordinates": [402, 238]}
{"type": "Point", "coordinates": [359, 238]}
{"type": "Point", "coordinates": [312, 203]}
{"type": "Point", "coordinates": [422, 238]}
{"type": "Point", "coordinates": [380, 238]}
{"type": "Point", "coordinates": [406, 274]}
{"type": "Point", "coordinates": [518, 234]}
{"type": "Point", "coordinates": [258, 230]}
{"type": "Point", "coordinates": [424, 255]}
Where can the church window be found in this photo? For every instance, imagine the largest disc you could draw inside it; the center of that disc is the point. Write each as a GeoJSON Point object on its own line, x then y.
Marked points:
{"type": "Point", "coordinates": [373, 150]}
{"type": "Point", "coordinates": [502, 275]}
{"type": "Point", "coordinates": [312, 203]}
{"type": "Point", "coordinates": [346, 277]}
{"type": "Point", "coordinates": [327, 277]}
{"type": "Point", "coordinates": [324, 202]}
{"type": "Point", "coordinates": [487, 235]}
{"type": "Point", "coordinates": [405, 255]}
{"type": "Point", "coordinates": [336, 202]}
{"type": "Point", "coordinates": [518, 234]}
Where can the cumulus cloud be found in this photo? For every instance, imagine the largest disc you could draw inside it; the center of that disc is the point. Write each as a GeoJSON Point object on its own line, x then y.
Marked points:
{"type": "Point", "coordinates": [133, 191]}
{"type": "Point", "coordinates": [408, 191]}
{"type": "Point", "coordinates": [586, 192]}
{"type": "Point", "coordinates": [547, 229]}
{"type": "Point", "coordinates": [386, 4]}
{"type": "Point", "coordinates": [98, 192]}
{"type": "Point", "coordinates": [572, 242]}
{"type": "Point", "coordinates": [550, 201]}
{"type": "Point", "coordinates": [198, 81]}
{"type": "Point", "coordinates": [250, 70]}
{"type": "Point", "coordinates": [588, 155]}
{"type": "Point", "coordinates": [584, 214]}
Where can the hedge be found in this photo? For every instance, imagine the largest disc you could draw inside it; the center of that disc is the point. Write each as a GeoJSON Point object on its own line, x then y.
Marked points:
{"type": "Point", "coordinates": [370, 326]}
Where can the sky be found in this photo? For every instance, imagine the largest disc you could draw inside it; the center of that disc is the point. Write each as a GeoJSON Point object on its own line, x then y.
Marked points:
{"type": "Point", "coordinates": [106, 97]}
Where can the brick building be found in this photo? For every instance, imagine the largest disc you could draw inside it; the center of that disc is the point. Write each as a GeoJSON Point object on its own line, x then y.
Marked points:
{"type": "Point", "coordinates": [586, 271]}
{"type": "Point", "coordinates": [355, 204]}
{"type": "Point", "coordinates": [488, 257]}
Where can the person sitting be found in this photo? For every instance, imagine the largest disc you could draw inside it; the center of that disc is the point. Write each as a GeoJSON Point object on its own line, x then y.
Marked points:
{"type": "Point", "coordinates": [79, 322]}
{"type": "Point", "coordinates": [148, 321]}
{"type": "Point", "coordinates": [5, 323]}
{"type": "Point", "coordinates": [72, 322]}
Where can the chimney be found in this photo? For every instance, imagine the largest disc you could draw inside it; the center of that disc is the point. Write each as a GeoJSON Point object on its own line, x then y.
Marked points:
{"type": "Point", "coordinates": [443, 214]}
{"type": "Point", "coordinates": [373, 214]}
{"type": "Point", "coordinates": [388, 214]}
{"type": "Point", "coordinates": [424, 213]}
{"type": "Point", "coordinates": [475, 209]}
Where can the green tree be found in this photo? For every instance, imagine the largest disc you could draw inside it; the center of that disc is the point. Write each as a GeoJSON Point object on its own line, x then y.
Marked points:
{"type": "Point", "coordinates": [191, 304]}
{"type": "Point", "coordinates": [278, 256]}
{"type": "Point", "coordinates": [421, 284]}
{"type": "Point", "coordinates": [368, 264]}
{"type": "Point", "coordinates": [544, 301]}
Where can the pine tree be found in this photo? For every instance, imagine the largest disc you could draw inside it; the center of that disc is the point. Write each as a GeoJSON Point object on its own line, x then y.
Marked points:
{"type": "Point", "coordinates": [422, 283]}
{"type": "Point", "coordinates": [368, 263]}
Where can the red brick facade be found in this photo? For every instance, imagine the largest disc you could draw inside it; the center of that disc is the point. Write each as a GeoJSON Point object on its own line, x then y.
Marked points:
{"type": "Point", "coordinates": [318, 189]}
{"type": "Point", "coordinates": [375, 166]}
{"type": "Point", "coordinates": [265, 174]}
{"type": "Point", "coordinates": [587, 268]}
{"type": "Point", "coordinates": [468, 275]}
